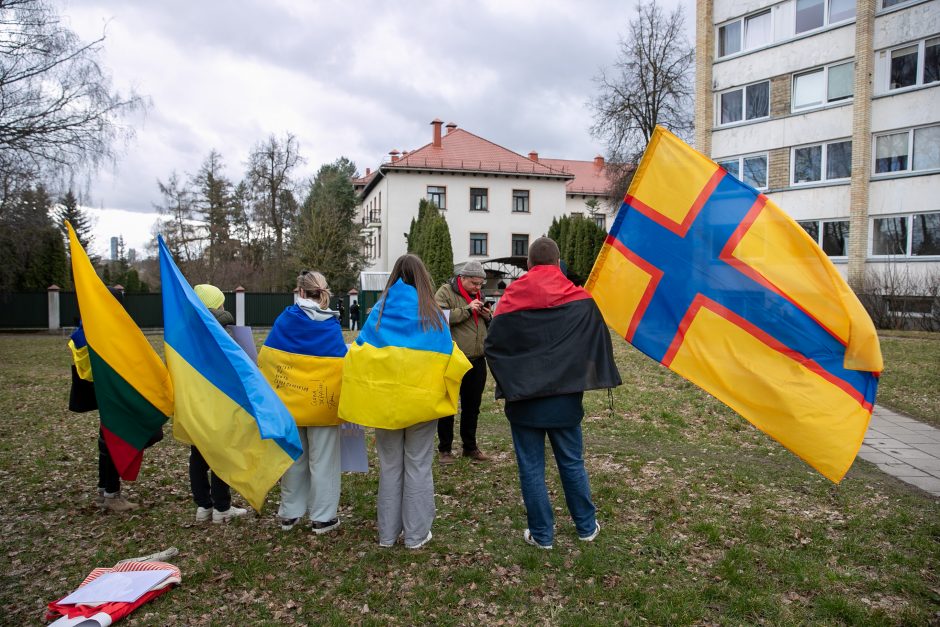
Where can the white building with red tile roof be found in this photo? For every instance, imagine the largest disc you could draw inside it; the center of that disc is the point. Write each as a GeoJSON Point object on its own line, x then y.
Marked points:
{"type": "Point", "coordinates": [495, 200]}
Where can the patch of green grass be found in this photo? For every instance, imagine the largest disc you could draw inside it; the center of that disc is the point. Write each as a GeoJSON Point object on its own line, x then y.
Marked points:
{"type": "Point", "coordinates": [910, 382]}
{"type": "Point", "coordinates": [704, 520]}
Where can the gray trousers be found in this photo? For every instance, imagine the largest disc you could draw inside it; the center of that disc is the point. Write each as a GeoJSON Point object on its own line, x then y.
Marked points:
{"type": "Point", "coordinates": [312, 484]}
{"type": "Point", "coordinates": [406, 483]}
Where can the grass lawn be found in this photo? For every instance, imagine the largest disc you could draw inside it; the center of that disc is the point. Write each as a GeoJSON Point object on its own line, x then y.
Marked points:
{"type": "Point", "coordinates": [705, 521]}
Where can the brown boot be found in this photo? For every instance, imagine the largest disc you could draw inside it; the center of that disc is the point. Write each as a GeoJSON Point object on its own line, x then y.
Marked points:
{"type": "Point", "coordinates": [476, 455]}
{"type": "Point", "coordinates": [117, 503]}
{"type": "Point", "coordinates": [445, 458]}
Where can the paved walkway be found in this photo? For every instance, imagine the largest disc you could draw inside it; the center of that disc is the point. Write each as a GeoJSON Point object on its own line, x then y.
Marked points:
{"type": "Point", "coordinates": [904, 448]}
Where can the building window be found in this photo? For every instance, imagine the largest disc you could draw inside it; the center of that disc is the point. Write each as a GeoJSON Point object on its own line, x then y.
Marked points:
{"type": "Point", "coordinates": [600, 220]}
{"type": "Point", "coordinates": [823, 85]}
{"type": "Point", "coordinates": [915, 64]}
{"type": "Point", "coordinates": [478, 243]}
{"type": "Point", "coordinates": [745, 33]}
{"type": "Point", "coordinates": [907, 236]}
{"type": "Point", "coordinates": [438, 196]}
{"type": "Point", "coordinates": [752, 169]}
{"type": "Point", "coordinates": [893, 150]}
{"type": "Point", "coordinates": [813, 14]}
{"type": "Point", "coordinates": [520, 245]}
{"type": "Point", "coordinates": [520, 201]}
{"type": "Point", "coordinates": [822, 162]}
{"type": "Point", "coordinates": [831, 235]}
{"type": "Point", "coordinates": [885, 4]}
{"type": "Point", "coordinates": [745, 103]}
{"type": "Point", "coordinates": [478, 199]}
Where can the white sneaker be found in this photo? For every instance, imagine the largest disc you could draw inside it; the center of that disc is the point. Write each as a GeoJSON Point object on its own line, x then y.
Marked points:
{"type": "Point", "coordinates": [203, 514]}
{"type": "Point", "coordinates": [527, 536]}
{"type": "Point", "coordinates": [422, 543]}
{"type": "Point", "coordinates": [590, 538]}
{"type": "Point", "coordinates": [232, 512]}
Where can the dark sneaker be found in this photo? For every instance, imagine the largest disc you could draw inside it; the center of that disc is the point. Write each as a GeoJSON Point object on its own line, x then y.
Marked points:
{"type": "Point", "coordinates": [319, 527]}
{"type": "Point", "coordinates": [288, 523]}
{"type": "Point", "coordinates": [446, 458]}
{"type": "Point", "coordinates": [476, 455]}
{"type": "Point", "coordinates": [527, 536]}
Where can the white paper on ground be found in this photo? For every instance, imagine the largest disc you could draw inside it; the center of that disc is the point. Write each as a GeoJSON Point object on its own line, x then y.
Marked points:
{"type": "Point", "coordinates": [125, 587]}
{"type": "Point", "coordinates": [98, 620]}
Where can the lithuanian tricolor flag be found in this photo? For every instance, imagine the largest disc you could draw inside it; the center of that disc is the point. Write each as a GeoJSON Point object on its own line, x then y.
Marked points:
{"type": "Point", "coordinates": [224, 406]}
{"type": "Point", "coordinates": [399, 375]}
{"type": "Point", "coordinates": [135, 396]}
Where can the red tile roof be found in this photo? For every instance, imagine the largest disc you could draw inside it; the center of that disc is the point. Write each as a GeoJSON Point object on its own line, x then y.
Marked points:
{"type": "Point", "coordinates": [589, 178]}
{"type": "Point", "coordinates": [461, 150]}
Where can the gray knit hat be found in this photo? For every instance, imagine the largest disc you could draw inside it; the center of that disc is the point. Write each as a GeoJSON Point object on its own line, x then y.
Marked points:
{"type": "Point", "coordinates": [473, 269]}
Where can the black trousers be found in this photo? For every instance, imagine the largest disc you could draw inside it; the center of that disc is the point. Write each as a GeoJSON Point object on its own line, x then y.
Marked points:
{"type": "Point", "coordinates": [108, 478]}
{"type": "Point", "coordinates": [207, 493]}
{"type": "Point", "coordinates": [471, 393]}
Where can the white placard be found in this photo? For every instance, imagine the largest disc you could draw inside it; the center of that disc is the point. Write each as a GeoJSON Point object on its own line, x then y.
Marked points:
{"type": "Point", "coordinates": [124, 587]}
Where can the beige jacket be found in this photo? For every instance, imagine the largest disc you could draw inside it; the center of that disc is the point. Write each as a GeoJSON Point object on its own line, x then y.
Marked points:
{"type": "Point", "coordinates": [468, 335]}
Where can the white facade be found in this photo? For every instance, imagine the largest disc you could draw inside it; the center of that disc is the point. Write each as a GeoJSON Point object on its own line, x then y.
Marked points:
{"type": "Point", "coordinates": [788, 100]}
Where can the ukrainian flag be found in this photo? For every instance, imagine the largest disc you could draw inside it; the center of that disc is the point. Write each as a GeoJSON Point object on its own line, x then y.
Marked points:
{"type": "Point", "coordinates": [132, 386]}
{"type": "Point", "coordinates": [712, 279]}
{"type": "Point", "coordinates": [302, 359]}
{"type": "Point", "coordinates": [398, 374]}
{"type": "Point", "coordinates": [224, 406]}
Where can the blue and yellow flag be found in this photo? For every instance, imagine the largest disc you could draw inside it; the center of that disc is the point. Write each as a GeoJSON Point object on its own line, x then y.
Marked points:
{"type": "Point", "coordinates": [712, 279]}
{"type": "Point", "coordinates": [224, 406]}
{"type": "Point", "coordinates": [399, 374]}
{"type": "Point", "coordinates": [302, 359]}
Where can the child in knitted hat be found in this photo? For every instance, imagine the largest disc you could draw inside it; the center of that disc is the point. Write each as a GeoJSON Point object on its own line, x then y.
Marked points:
{"type": "Point", "coordinates": [213, 497]}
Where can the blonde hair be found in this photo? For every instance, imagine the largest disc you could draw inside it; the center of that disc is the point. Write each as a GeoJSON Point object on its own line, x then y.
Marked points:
{"type": "Point", "coordinates": [313, 286]}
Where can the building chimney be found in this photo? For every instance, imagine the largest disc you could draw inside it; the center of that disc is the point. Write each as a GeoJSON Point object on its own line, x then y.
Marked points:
{"type": "Point", "coordinates": [534, 156]}
{"type": "Point", "coordinates": [368, 171]}
{"type": "Point", "coordinates": [394, 155]}
{"type": "Point", "coordinates": [450, 127]}
{"type": "Point", "coordinates": [598, 161]}
{"type": "Point", "coordinates": [437, 132]}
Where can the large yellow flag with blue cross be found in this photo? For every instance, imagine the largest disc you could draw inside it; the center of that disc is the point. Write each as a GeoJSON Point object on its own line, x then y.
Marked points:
{"type": "Point", "coordinates": [713, 280]}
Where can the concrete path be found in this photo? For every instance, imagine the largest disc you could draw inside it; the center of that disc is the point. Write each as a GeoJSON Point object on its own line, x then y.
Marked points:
{"type": "Point", "coordinates": [904, 448]}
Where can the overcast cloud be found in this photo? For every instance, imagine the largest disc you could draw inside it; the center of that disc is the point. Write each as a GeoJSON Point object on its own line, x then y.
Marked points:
{"type": "Point", "coordinates": [354, 79]}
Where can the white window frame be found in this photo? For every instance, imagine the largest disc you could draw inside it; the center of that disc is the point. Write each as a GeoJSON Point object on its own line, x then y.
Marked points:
{"type": "Point", "coordinates": [826, 21]}
{"type": "Point", "coordinates": [742, 38]}
{"type": "Point", "coordinates": [882, 7]}
{"type": "Point", "coordinates": [825, 99]}
{"type": "Point", "coordinates": [743, 90]}
{"type": "Point", "coordinates": [740, 159]}
{"type": "Point", "coordinates": [908, 245]}
{"type": "Point", "coordinates": [823, 163]}
{"type": "Point", "coordinates": [910, 152]}
{"type": "Point", "coordinates": [918, 73]}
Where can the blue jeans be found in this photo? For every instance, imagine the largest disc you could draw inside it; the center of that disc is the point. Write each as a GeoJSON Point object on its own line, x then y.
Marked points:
{"type": "Point", "coordinates": [567, 446]}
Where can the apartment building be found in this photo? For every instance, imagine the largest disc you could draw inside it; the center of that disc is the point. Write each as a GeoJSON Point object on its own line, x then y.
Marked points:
{"type": "Point", "coordinates": [831, 108]}
{"type": "Point", "coordinates": [495, 200]}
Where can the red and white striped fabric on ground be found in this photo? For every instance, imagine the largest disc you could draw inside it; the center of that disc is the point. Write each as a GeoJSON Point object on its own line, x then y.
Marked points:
{"type": "Point", "coordinates": [104, 614]}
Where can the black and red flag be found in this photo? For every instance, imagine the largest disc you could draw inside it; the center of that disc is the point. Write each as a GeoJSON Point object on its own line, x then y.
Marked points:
{"type": "Point", "coordinates": [548, 338]}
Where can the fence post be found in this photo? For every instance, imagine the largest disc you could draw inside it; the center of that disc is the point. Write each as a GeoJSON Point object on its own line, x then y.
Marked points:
{"type": "Point", "coordinates": [53, 295]}
{"type": "Point", "coordinates": [240, 306]}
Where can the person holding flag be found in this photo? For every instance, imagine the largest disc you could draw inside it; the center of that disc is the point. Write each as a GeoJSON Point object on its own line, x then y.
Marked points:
{"type": "Point", "coordinates": [403, 373]}
{"type": "Point", "coordinates": [302, 359]}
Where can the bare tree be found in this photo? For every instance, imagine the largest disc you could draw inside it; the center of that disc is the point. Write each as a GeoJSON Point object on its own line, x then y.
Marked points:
{"type": "Point", "coordinates": [58, 112]}
{"type": "Point", "coordinates": [270, 166]}
{"type": "Point", "coordinates": [650, 84]}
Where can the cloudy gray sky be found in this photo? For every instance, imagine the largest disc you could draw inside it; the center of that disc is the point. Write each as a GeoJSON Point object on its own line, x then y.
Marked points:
{"type": "Point", "coordinates": [353, 79]}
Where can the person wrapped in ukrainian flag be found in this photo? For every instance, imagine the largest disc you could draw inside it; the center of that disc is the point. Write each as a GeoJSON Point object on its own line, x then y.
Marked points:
{"type": "Point", "coordinates": [403, 373]}
{"type": "Point", "coordinates": [302, 359]}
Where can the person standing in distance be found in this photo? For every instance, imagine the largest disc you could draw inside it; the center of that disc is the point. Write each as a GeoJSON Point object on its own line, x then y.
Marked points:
{"type": "Point", "coordinates": [469, 318]}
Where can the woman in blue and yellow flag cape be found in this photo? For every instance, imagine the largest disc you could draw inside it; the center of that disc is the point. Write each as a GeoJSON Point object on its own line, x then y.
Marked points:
{"type": "Point", "coordinates": [302, 359]}
{"type": "Point", "coordinates": [403, 373]}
